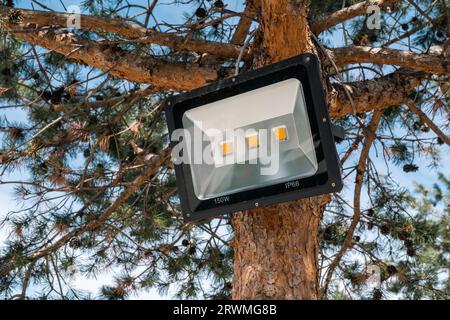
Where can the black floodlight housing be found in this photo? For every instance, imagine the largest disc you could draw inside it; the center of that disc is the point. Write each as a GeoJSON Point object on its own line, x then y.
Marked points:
{"type": "Point", "coordinates": [279, 109]}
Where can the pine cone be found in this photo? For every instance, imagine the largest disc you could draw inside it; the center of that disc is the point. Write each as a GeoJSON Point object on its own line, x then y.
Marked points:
{"type": "Point", "coordinates": [201, 13]}
{"type": "Point", "coordinates": [410, 168]}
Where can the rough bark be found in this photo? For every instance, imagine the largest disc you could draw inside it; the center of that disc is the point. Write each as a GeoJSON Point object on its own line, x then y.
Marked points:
{"type": "Point", "coordinates": [374, 94]}
{"type": "Point", "coordinates": [432, 62]}
{"type": "Point", "coordinates": [285, 30]}
{"type": "Point", "coordinates": [276, 247]}
{"type": "Point", "coordinates": [244, 24]}
{"type": "Point", "coordinates": [276, 251]}
{"type": "Point", "coordinates": [119, 63]}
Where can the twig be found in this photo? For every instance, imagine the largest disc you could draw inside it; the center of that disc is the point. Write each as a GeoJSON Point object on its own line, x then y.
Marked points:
{"type": "Point", "coordinates": [41, 131]}
{"type": "Point", "coordinates": [370, 137]}
{"type": "Point", "coordinates": [423, 13]}
{"type": "Point", "coordinates": [428, 121]}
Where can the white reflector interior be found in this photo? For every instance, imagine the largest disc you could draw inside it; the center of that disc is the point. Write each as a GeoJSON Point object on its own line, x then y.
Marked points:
{"type": "Point", "coordinates": [280, 105]}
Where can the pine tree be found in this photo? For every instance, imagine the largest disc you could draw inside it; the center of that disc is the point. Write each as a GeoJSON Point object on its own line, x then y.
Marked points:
{"type": "Point", "coordinates": [100, 193]}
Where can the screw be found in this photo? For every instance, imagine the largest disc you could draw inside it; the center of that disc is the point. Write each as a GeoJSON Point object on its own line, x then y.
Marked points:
{"type": "Point", "coordinates": [256, 204]}
{"type": "Point", "coordinates": [234, 79]}
{"type": "Point", "coordinates": [169, 103]}
{"type": "Point", "coordinates": [333, 184]}
{"type": "Point", "coordinates": [324, 120]}
{"type": "Point", "coordinates": [188, 215]}
{"type": "Point", "coordinates": [307, 59]}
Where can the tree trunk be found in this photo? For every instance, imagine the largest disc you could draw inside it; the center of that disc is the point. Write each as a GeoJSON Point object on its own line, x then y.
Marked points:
{"type": "Point", "coordinates": [276, 248]}
{"type": "Point", "coordinates": [276, 251]}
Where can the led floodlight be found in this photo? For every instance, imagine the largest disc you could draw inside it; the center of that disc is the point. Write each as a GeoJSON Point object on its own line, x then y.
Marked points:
{"type": "Point", "coordinates": [253, 140]}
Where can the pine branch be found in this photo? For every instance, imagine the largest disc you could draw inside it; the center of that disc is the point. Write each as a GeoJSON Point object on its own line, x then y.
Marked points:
{"type": "Point", "coordinates": [157, 71]}
{"type": "Point", "coordinates": [428, 121]}
{"type": "Point", "coordinates": [153, 166]}
{"type": "Point", "coordinates": [432, 62]}
{"type": "Point", "coordinates": [348, 13]}
{"type": "Point", "coordinates": [179, 76]}
{"type": "Point", "coordinates": [244, 24]}
{"type": "Point", "coordinates": [127, 30]}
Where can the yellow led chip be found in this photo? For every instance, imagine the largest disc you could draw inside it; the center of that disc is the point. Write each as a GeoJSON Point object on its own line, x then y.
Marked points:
{"type": "Point", "coordinates": [252, 141]}
{"type": "Point", "coordinates": [280, 133]}
{"type": "Point", "coordinates": [227, 148]}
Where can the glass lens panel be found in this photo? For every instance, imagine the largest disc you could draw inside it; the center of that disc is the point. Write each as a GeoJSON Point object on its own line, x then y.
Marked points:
{"type": "Point", "coordinates": [284, 152]}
